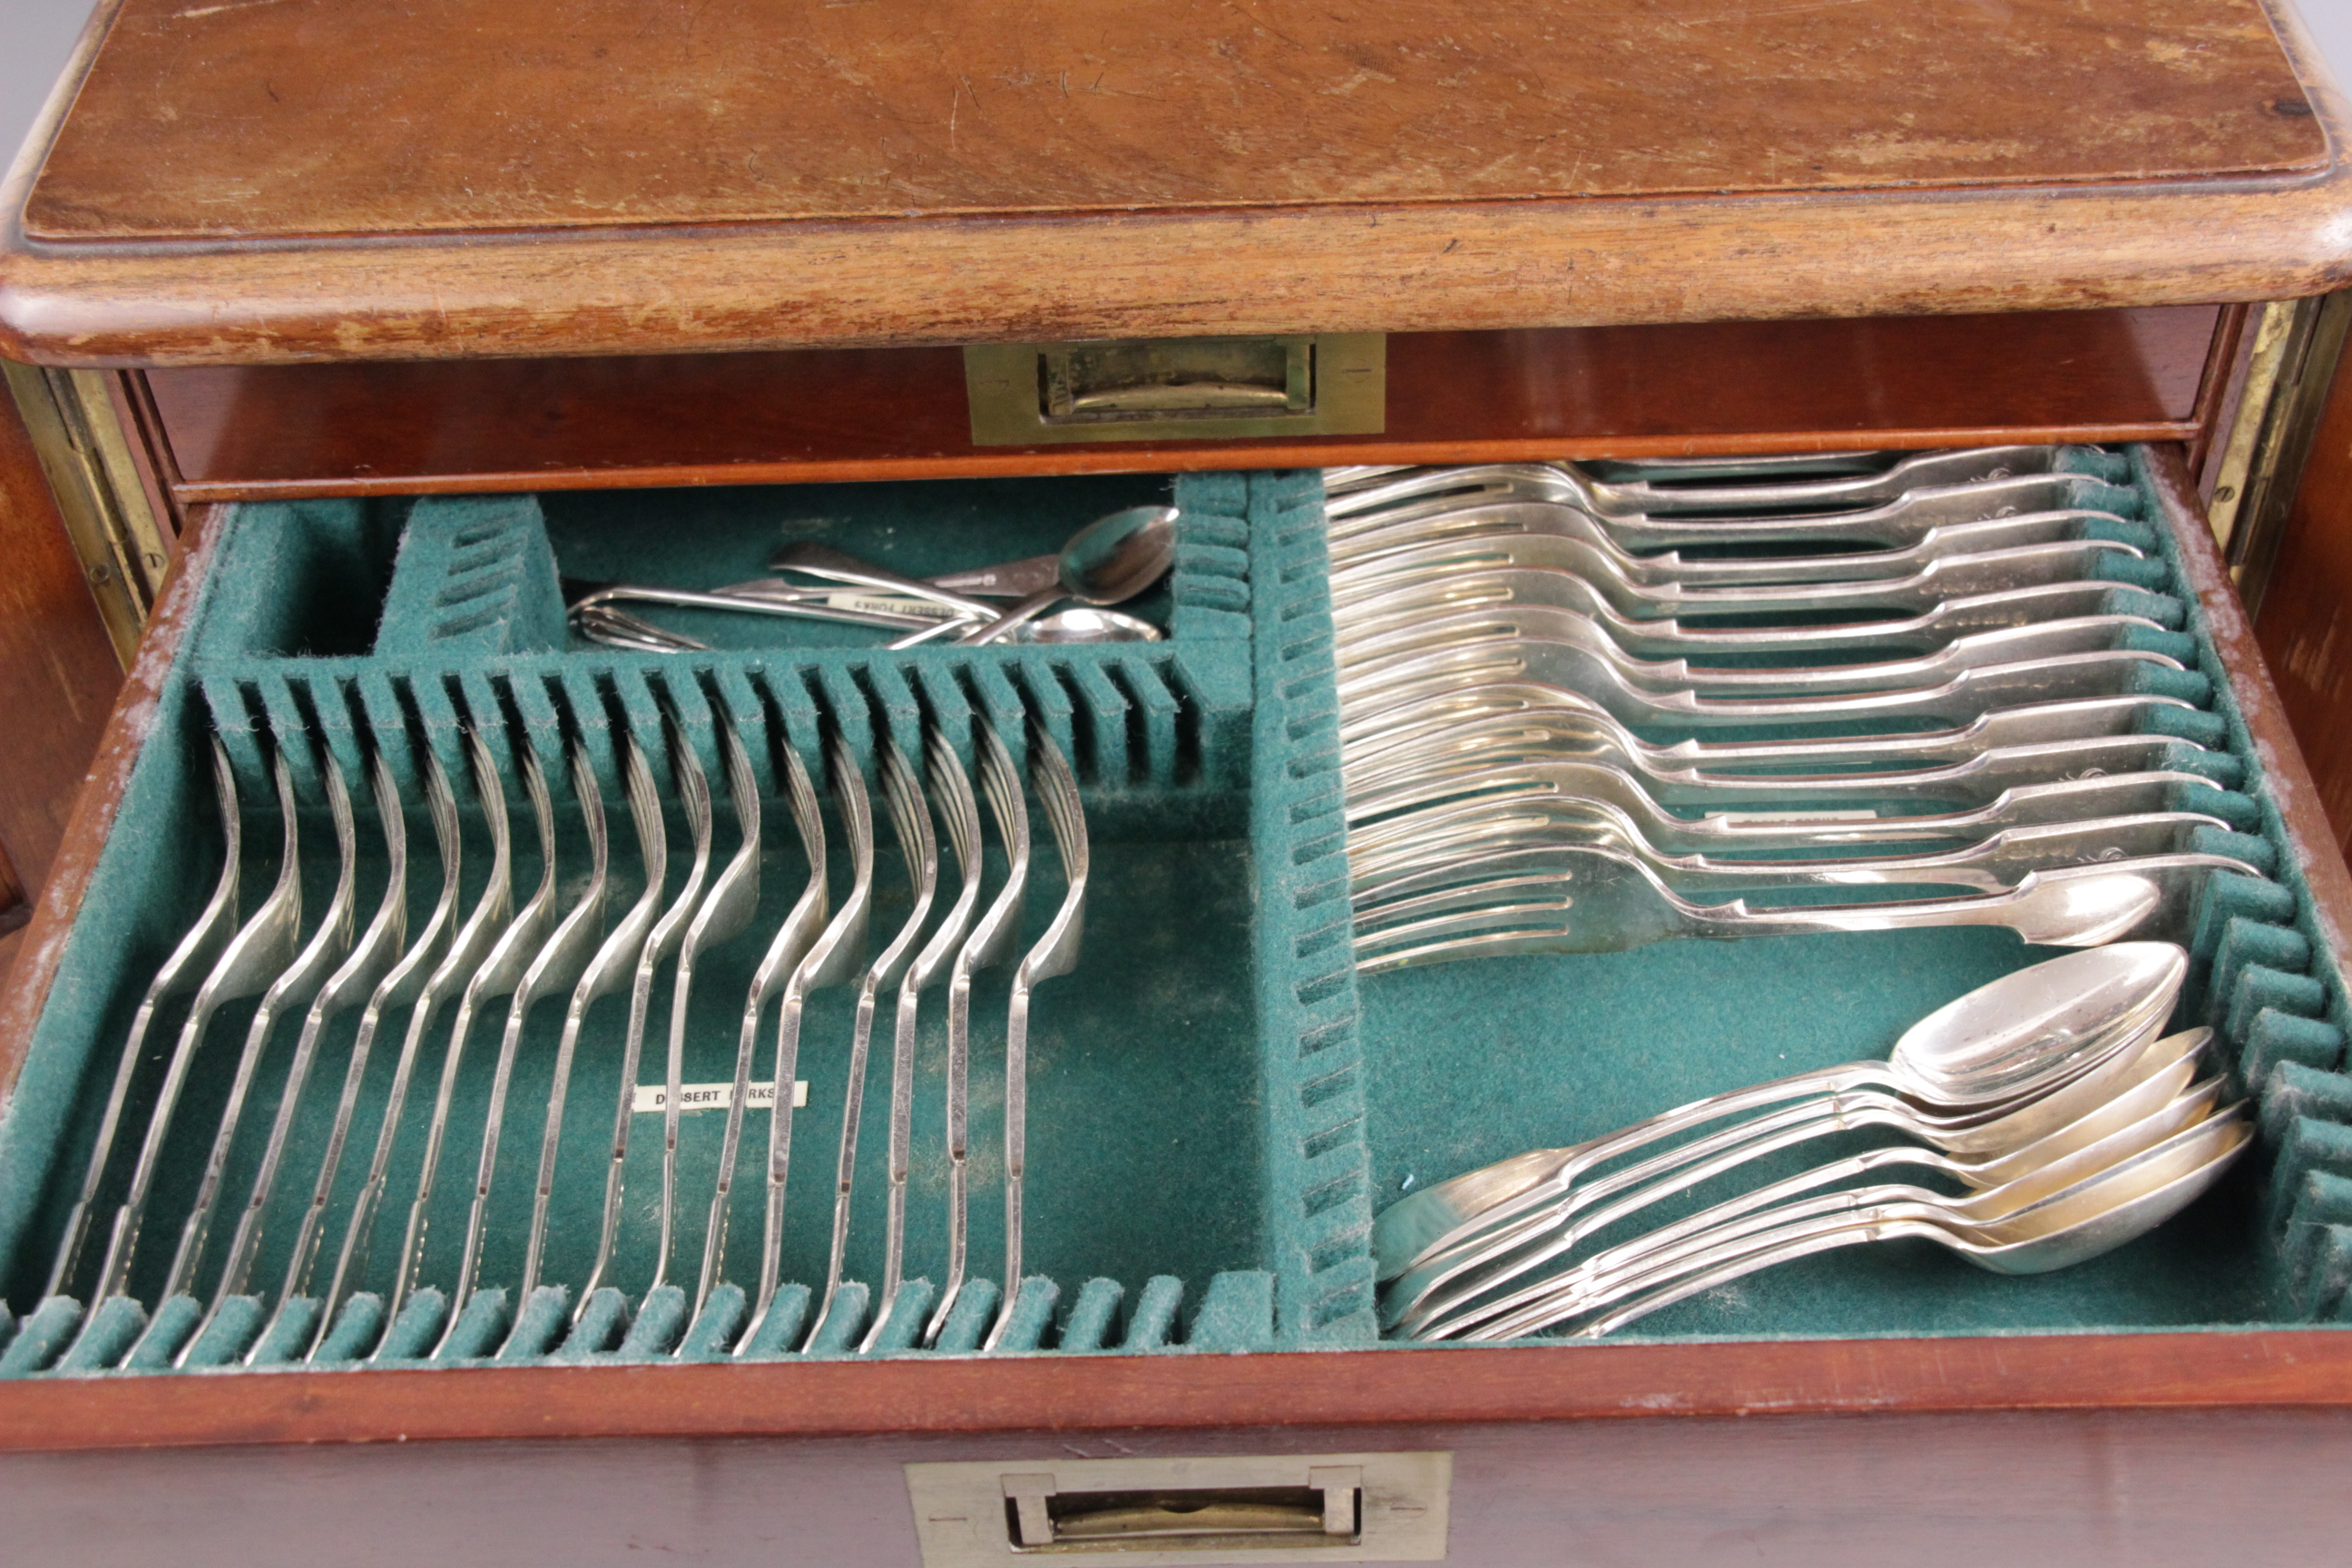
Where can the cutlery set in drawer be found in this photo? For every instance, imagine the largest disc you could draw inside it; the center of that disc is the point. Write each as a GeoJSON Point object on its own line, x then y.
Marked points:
{"type": "Point", "coordinates": [1396, 905]}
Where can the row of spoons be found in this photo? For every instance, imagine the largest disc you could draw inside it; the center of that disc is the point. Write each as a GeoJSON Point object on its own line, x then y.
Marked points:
{"type": "Point", "coordinates": [2049, 1100]}
{"type": "Point", "coordinates": [1930, 692]}
{"type": "Point", "coordinates": [558, 943]}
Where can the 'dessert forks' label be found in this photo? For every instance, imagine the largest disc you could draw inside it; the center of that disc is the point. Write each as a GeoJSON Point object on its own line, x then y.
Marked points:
{"type": "Point", "coordinates": [713, 1096]}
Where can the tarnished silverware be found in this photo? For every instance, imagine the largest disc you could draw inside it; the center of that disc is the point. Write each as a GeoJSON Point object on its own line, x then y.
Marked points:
{"type": "Point", "coordinates": [990, 941]}
{"type": "Point", "coordinates": [1056, 953]}
{"type": "Point", "coordinates": [194, 955]}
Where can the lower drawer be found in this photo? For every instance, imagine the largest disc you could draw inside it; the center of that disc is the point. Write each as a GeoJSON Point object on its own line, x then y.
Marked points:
{"type": "Point", "coordinates": [1219, 1102]}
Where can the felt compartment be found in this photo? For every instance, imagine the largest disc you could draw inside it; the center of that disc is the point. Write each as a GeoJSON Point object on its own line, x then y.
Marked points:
{"type": "Point", "coordinates": [1217, 1104]}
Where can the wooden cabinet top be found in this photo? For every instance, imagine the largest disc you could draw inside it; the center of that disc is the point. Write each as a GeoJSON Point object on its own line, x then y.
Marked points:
{"type": "Point", "coordinates": [294, 179]}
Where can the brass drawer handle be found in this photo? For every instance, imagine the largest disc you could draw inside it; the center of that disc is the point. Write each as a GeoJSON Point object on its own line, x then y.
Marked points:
{"type": "Point", "coordinates": [1182, 389]}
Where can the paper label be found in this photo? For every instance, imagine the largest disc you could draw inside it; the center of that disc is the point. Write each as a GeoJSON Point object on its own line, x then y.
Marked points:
{"type": "Point", "coordinates": [891, 605]}
{"type": "Point", "coordinates": [651, 1096]}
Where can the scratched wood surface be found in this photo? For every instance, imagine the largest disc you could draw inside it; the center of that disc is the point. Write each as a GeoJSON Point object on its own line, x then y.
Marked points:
{"type": "Point", "coordinates": [258, 431]}
{"type": "Point", "coordinates": [312, 117]}
{"type": "Point", "coordinates": [569, 177]}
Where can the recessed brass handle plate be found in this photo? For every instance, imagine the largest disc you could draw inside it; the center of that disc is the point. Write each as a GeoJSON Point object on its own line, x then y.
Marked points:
{"type": "Point", "coordinates": [1138, 1512]}
{"type": "Point", "coordinates": [1177, 389]}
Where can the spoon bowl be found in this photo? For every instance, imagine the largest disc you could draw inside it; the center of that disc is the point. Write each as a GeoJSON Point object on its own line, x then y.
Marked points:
{"type": "Point", "coordinates": [1110, 560]}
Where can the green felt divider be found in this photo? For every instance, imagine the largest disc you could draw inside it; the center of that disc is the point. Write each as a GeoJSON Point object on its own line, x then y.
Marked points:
{"type": "Point", "coordinates": [1094, 1317]}
{"type": "Point", "coordinates": [41, 1338]}
{"type": "Point", "coordinates": [909, 1312]}
{"type": "Point", "coordinates": [107, 1337]}
{"type": "Point", "coordinates": [287, 1334]}
{"type": "Point", "coordinates": [1214, 1061]}
{"type": "Point", "coordinates": [354, 1329]}
{"type": "Point", "coordinates": [716, 1327]}
{"type": "Point", "coordinates": [545, 1314]}
{"type": "Point", "coordinates": [1236, 1313]}
{"type": "Point", "coordinates": [845, 1319]}
{"type": "Point", "coordinates": [224, 1339]}
{"type": "Point", "coordinates": [779, 1329]}
{"type": "Point", "coordinates": [968, 1318]}
{"type": "Point", "coordinates": [1031, 1314]}
{"type": "Point", "coordinates": [1150, 1325]}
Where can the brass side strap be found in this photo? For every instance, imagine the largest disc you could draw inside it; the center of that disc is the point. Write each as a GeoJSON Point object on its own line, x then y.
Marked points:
{"type": "Point", "coordinates": [88, 461]}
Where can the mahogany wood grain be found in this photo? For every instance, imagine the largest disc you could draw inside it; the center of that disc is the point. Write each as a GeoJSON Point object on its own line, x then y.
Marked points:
{"type": "Point", "coordinates": [151, 451]}
{"type": "Point", "coordinates": [2286, 776]}
{"type": "Point", "coordinates": [25, 987]}
{"type": "Point", "coordinates": [261, 431]}
{"type": "Point", "coordinates": [2306, 614]}
{"type": "Point", "coordinates": [1634, 1383]}
{"type": "Point", "coordinates": [563, 263]}
{"type": "Point", "coordinates": [14, 908]}
{"type": "Point", "coordinates": [2216, 386]}
{"type": "Point", "coordinates": [57, 669]}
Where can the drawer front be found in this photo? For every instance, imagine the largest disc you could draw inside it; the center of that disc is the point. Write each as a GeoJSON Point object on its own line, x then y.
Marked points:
{"type": "Point", "coordinates": [1491, 1392]}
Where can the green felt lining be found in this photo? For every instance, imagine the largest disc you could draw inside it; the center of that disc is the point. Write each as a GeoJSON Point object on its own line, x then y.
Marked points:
{"type": "Point", "coordinates": [1214, 1062]}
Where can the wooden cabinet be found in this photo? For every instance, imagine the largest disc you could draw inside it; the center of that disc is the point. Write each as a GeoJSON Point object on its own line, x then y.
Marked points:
{"type": "Point", "coordinates": [324, 252]}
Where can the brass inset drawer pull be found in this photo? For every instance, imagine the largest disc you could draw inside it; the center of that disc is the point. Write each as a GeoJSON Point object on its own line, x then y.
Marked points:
{"type": "Point", "coordinates": [1146, 389]}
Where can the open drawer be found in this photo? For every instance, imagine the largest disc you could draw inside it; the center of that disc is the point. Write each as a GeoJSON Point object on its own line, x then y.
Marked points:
{"type": "Point", "coordinates": [1218, 1103]}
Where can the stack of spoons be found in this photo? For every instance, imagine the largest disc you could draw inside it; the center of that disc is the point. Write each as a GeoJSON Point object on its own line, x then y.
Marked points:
{"type": "Point", "coordinates": [1582, 711]}
{"type": "Point", "coordinates": [2050, 1098]}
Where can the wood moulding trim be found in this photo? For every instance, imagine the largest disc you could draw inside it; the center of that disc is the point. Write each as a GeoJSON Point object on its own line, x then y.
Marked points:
{"type": "Point", "coordinates": [1161, 459]}
{"type": "Point", "coordinates": [1493, 267]}
{"type": "Point", "coordinates": [2306, 1368]}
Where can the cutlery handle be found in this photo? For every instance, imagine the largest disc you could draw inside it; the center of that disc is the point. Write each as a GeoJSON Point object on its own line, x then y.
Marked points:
{"type": "Point", "coordinates": [1783, 1246]}
{"type": "Point", "coordinates": [1028, 610]}
{"type": "Point", "coordinates": [1414, 1228]}
{"type": "Point", "coordinates": [1511, 1251]}
{"type": "Point", "coordinates": [1630, 1265]}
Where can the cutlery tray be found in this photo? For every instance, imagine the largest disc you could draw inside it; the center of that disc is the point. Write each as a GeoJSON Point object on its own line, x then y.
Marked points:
{"type": "Point", "coordinates": [1218, 1104]}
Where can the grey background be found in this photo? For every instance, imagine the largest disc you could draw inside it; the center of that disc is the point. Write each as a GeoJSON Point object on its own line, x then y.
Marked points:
{"type": "Point", "coordinates": [35, 36]}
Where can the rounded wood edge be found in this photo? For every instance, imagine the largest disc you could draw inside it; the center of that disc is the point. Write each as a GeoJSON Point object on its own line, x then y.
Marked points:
{"type": "Point", "coordinates": [1603, 261]}
{"type": "Point", "coordinates": [26, 986]}
{"type": "Point", "coordinates": [2309, 1368]}
{"type": "Point", "coordinates": [1029, 462]}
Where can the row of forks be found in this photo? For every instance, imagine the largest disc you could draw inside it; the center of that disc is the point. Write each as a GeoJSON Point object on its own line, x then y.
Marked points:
{"type": "Point", "coordinates": [558, 944]}
{"type": "Point", "coordinates": [1937, 672]}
